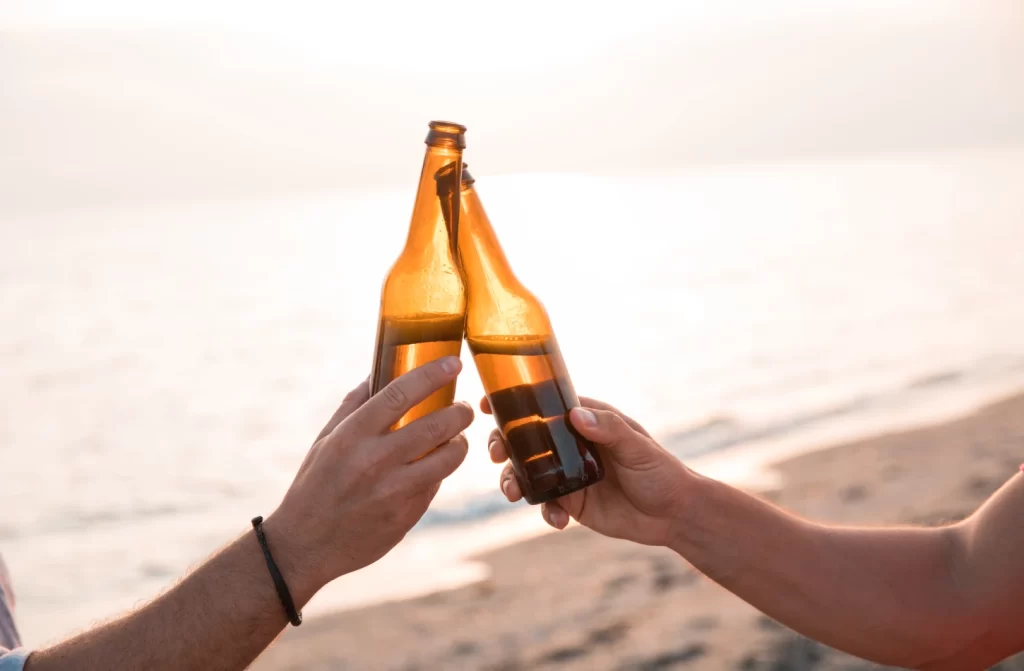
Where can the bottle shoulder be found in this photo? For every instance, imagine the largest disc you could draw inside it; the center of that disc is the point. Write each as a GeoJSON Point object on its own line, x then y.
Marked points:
{"type": "Point", "coordinates": [435, 288]}
{"type": "Point", "coordinates": [506, 312]}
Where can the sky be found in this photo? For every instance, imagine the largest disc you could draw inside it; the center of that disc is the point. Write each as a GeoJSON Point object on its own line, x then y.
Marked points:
{"type": "Point", "coordinates": [112, 100]}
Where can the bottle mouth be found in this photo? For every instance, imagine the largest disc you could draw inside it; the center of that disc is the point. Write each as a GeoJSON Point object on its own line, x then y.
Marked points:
{"type": "Point", "coordinates": [447, 126]}
{"type": "Point", "coordinates": [446, 134]}
{"type": "Point", "coordinates": [445, 178]}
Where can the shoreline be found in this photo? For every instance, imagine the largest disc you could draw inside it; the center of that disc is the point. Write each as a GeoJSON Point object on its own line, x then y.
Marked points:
{"type": "Point", "coordinates": [611, 604]}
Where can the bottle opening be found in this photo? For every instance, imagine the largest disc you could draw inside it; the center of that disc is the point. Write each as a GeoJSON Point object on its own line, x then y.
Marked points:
{"type": "Point", "coordinates": [448, 126]}
{"type": "Point", "coordinates": [446, 134]}
{"type": "Point", "coordinates": [446, 176]}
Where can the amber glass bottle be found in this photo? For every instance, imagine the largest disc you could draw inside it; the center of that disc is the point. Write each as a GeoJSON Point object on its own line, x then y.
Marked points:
{"type": "Point", "coordinates": [423, 302]}
{"type": "Point", "coordinates": [520, 365]}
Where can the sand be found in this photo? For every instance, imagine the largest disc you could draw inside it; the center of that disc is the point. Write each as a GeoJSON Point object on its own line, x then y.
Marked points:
{"type": "Point", "coordinates": [576, 600]}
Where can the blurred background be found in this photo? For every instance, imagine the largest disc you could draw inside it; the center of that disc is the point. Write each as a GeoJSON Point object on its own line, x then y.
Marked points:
{"type": "Point", "coordinates": [759, 227]}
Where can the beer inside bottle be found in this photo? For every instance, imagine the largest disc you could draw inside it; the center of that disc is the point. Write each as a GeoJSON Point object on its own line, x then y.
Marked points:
{"type": "Point", "coordinates": [520, 365]}
{"type": "Point", "coordinates": [423, 301]}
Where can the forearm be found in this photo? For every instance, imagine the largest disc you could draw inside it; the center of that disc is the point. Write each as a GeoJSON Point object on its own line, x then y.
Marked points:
{"type": "Point", "coordinates": [884, 594]}
{"type": "Point", "coordinates": [218, 618]}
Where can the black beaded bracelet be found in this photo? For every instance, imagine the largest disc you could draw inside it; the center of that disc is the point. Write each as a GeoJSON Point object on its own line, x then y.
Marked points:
{"type": "Point", "coordinates": [282, 589]}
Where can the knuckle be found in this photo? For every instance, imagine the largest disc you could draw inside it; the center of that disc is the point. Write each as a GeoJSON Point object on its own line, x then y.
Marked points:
{"type": "Point", "coordinates": [346, 429]}
{"type": "Point", "coordinates": [394, 396]}
{"type": "Point", "coordinates": [369, 461]}
{"type": "Point", "coordinates": [615, 422]}
{"type": "Point", "coordinates": [435, 429]}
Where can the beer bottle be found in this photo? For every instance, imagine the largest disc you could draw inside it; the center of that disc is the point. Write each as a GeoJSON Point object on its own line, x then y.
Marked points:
{"type": "Point", "coordinates": [520, 365]}
{"type": "Point", "coordinates": [423, 301]}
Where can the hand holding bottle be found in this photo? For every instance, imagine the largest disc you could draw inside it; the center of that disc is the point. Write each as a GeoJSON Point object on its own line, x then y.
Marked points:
{"type": "Point", "coordinates": [362, 486]}
{"type": "Point", "coordinates": [643, 489]}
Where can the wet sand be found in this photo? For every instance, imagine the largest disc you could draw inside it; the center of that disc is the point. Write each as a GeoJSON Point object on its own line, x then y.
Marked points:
{"type": "Point", "coordinates": [608, 604]}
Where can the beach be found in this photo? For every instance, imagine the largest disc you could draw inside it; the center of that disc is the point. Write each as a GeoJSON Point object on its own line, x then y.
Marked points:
{"type": "Point", "coordinates": [576, 600]}
{"type": "Point", "coordinates": [783, 239]}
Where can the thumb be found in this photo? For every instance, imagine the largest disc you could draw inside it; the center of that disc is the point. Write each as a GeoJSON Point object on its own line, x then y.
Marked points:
{"type": "Point", "coordinates": [610, 431]}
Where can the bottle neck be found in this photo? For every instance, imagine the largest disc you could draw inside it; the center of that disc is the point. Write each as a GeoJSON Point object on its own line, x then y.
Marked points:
{"type": "Point", "coordinates": [482, 253]}
{"type": "Point", "coordinates": [499, 305]}
{"type": "Point", "coordinates": [435, 216]}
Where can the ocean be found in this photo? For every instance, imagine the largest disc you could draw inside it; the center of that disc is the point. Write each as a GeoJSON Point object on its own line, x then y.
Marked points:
{"type": "Point", "coordinates": [166, 366]}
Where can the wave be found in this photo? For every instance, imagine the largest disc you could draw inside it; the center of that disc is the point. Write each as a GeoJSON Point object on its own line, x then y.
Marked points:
{"type": "Point", "coordinates": [723, 432]}
{"type": "Point", "coordinates": [720, 432]}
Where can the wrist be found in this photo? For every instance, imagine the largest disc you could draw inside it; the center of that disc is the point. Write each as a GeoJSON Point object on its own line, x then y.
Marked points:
{"type": "Point", "coordinates": [687, 514]}
{"type": "Point", "coordinates": [294, 559]}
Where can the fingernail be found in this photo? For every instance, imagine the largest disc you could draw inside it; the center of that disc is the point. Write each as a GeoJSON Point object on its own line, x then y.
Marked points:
{"type": "Point", "coordinates": [450, 364]}
{"type": "Point", "coordinates": [586, 418]}
{"type": "Point", "coordinates": [504, 487]}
